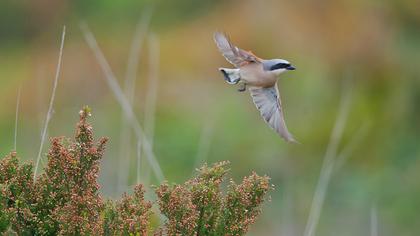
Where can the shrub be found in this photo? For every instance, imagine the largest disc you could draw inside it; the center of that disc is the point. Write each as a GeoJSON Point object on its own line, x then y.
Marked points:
{"type": "Point", "coordinates": [129, 216]}
{"type": "Point", "coordinates": [65, 199]}
{"type": "Point", "coordinates": [198, 207]}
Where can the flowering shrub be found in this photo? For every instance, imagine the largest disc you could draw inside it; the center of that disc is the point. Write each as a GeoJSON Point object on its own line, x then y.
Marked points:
{"type": "Point", "coordinates": [129, 216]}
{"type": "Point", "coordinates": [65, 199]}
{"type": "Point", "coordinates": [198, 206]}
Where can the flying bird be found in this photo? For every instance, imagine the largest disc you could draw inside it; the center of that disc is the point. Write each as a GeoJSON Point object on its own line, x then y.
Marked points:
{"type": "Point", "coordinates": [260, 77]}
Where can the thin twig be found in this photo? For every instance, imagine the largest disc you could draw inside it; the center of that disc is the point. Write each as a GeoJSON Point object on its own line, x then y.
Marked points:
{"type": "Point", "coordinates": [16, 117]}
{"type": "Point", "coordinates": [328, 163]}
{"type": "Point", "coordinates": [50, 108]}
{"type": "Point", "coordinates": [122, 100]}
{"type": "Point", "coordinates": [129, 90]}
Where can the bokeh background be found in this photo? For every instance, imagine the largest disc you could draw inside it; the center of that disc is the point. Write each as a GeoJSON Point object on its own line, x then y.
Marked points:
{"type": "Point", "coordinates": [192, 116]}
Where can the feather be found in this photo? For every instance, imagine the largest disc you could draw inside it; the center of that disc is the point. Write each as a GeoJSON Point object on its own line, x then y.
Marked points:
{"type": "Point", "coordinates": [232, 53]}
{"type": "Point", "coordinates": [267, 101]}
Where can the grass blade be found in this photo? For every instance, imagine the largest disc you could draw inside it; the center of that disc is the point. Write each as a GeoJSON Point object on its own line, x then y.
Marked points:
{"type": "Point", "coordinates": [204, 144]}
{"type": "Point", "coordinates": [16, 118]}
{"type": "Point", "coordinates": [357, 138]}
{"type": "Point", "coordinates": [373, 221]}
{"type": "Point", "coordinates": [129, 90]}
{"type": "Point", "coordinates": [122, 100]}
{"type": "Point", "coordinates": [328, 163]}
{"type": "Point", "coordinates": [138, 172]}
{"type": "Point", "coordinates": [50, 107]}
{"type": "Point", "coordinates": [151, 96]}
{"type": "Point", "coordinates": [134, 55]}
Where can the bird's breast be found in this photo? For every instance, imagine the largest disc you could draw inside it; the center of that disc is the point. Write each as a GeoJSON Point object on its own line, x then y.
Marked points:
{"type": "Point", "coordinates": [254, 75]}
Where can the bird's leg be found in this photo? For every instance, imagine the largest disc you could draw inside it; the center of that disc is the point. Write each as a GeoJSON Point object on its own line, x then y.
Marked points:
{"type": "Point", "coordinates": [242, 87]}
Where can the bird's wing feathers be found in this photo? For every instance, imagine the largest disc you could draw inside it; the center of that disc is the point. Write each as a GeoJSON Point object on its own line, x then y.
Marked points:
{"type": "Point", "coordinates": [233, 54]}
{"type": "Point", "coordinates": [268, 102]}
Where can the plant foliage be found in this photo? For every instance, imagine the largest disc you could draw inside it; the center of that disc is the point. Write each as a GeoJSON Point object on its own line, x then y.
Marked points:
{"type": "Point", "coordinates": [65, 199]}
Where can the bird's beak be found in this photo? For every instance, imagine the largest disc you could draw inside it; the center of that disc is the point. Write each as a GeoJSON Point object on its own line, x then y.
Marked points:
{"type": "Point", "coordinates": [290, 68]}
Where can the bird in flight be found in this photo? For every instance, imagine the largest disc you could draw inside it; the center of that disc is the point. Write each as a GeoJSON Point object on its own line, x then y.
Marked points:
{"type": "Point", "coordinates": [260, 77]}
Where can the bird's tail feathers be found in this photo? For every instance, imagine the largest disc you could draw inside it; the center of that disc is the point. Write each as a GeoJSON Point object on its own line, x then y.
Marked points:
{"type": "Point", "coordinates": [232, 76]}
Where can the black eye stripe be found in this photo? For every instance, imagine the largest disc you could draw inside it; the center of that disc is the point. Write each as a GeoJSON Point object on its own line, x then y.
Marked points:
{"type": "Point", "coordinates": [279, 66]}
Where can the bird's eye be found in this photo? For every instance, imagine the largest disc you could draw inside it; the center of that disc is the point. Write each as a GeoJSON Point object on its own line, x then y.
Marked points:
{"type": "Point", "coordinates": [279, 66]}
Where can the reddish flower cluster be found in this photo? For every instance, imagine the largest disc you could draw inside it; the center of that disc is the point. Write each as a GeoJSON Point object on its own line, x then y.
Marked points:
{"type": "Point", "coordinates": [241, 206]}
{"type": "Point", "coordinates": [69, 187]}
{"type": "Point", "coordinates": [16, 188]}
{"type": "Point", "coordinates": [130, 215]}
{"type": "Point", "coordinates": [65, 199]}
{"type": "Point", "coordinates": [176, 204]}
{"type": "Point", "coordinates": [199, 208]}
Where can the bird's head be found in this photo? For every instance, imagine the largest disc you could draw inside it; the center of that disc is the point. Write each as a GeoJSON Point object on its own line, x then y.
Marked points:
{"type": "Point", "coordinates": [277, 66]}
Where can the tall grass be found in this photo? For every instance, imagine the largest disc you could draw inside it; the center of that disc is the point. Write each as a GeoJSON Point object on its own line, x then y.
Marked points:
{"type": "Point", "coordinates": [138, 162]}
{"type": "Point", "coordinates": [112, 83]}
{"type": "Point", "coordinates": [373, 221]}
{"type": "Point", "coordinates": [355, 141]}
{"type": "Point", "coordinates": [151, 94]}
{"type": "Point", "coordinates": [204, 144]}
{"type": "Point", "coordinates": [329, 162]}
{"type": "Point", "coordinates": [153, 81]}
{"type": "Point", "coordinates": [50, 107]}
{"type": "Point", "coordinates": [16, 118]}
{"type": "Point", "coordinates": [135, 51]}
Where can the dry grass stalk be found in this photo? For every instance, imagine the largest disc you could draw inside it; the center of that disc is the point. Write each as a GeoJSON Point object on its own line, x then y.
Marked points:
{"type": "Point", "coordinates": [122, 100]}
{"type": "Point", "coordinates": [373, 221]}
{"type": "Point", "coordinates": [328, 163]}
{"type": "Point", "coordinates": [50, 107]}
{"type": "Point", "coordinates": [16, 118]}
{"type": "Point", "coordinates": [129, 90]}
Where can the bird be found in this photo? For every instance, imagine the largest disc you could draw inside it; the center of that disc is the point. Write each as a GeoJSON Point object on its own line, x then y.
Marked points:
{"type": "Point", "coordinates": [260, 77]}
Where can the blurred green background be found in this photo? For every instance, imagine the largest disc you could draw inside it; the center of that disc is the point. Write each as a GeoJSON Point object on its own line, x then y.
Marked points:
{"type": "Point", "coordinates": [199, 118]}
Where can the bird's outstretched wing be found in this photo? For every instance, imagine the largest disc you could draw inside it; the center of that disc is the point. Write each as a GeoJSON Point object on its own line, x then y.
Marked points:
{"type": "Point", "coordinates": [233, 54]}
{"type": "Point", "coordinates": [268, 102]}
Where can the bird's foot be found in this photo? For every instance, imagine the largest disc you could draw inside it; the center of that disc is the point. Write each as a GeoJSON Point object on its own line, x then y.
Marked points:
{"type": "Point", "coordinates": [242, 88]}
